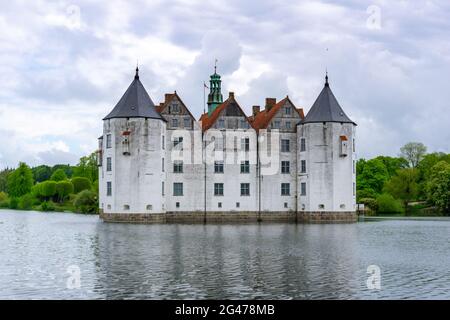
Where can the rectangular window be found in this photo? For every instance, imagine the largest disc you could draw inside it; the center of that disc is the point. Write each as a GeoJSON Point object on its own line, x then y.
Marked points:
{"type": "Point", "coordinates": [163, 142]}
{"type": "Point", "coordinates": [245, 189]}
{"type": "Point", "coordinates": [218, 166]}
{"type": "Point", "coordinates": [245, 166]}
{"type": "Point", "coordinates": [178, 141]}
{"type": "Point", "coordinates": [303, 166]}
{"type": "Point", "coordinates": [109, 188]}
{"type": "Point", "coordinates": [354, 147]}
{"type": "Point", "coordinates": [354, 189]}
{"type": "Point", "coordinates": [218, 189]}
{"type": "Point", "coordinates": [243, 124]}
{"type": "Point", "coordinates": [174, 123]}
{"type": "Point", "coordinates": [178, 166]}
{"type": "Point", "coordinates": [287, 110]}
{"type": "Point", "coordinates": [108, 164]}
{"type": "Point", "coordinates": [187, 122]}
{"type": "Point", "coordinates": [276, 124]}
{"type": "Point", "coordinates": [221, 123]}
{"type": "Point", "coordinates": [303, 189]}
{"type": "Point", "coordinates": [354, 166]}
{"type": "Point", "coordinates": [174, 108]}
{"type": "Point", "coordinates": [285, 189]}
{"type": "Point", "coordinates": [177, 189]}
{"type": "Point", "coordinates": [285, 167]}
{"type": "Point", "coordinates": [285, 147]}
{"type": "Point", "coordinates": [245, 144]}
{"type": "Point", "coordinates": [302, 144]}
{"type": "Point", "coordinates": [108, 141]}
{"type": "Point", "coordinates": [288, 124]}
{"type": "Point", "coordinates": [162, 164]}
{"type": "Point", "coordinates": [162, 188]}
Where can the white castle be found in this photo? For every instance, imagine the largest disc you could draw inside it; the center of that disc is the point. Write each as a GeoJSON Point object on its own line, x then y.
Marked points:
{"type": "Point", "coordinates": [158, 164]}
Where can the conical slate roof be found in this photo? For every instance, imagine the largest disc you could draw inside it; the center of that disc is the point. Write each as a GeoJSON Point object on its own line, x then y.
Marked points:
{"type": "Point", "coordinates": [135, 103]}
{"type": "Point", "coordinates": [326, 108]}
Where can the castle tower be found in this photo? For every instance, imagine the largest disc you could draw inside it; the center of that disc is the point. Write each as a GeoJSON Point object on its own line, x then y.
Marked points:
{"type": "Point", "coordinates": [132, 152]}
{"type": "Point", "coordinates": [215, 95]}
{"type": "Point", "coordinates": [326, 161]}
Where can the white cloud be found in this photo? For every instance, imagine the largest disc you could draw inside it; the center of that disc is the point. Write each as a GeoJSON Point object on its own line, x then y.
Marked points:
{"type": "Point", "coordinates": [64, 64]}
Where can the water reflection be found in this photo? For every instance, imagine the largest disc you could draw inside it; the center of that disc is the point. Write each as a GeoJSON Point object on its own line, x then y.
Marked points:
{"type": "Point", "coordinates": [276, 261]}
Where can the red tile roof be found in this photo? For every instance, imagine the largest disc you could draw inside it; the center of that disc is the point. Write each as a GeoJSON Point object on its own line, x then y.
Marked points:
{"type": "Point", "coordinates": [262, 119]}
{"type": "Point", "coordinates": [208, 121]}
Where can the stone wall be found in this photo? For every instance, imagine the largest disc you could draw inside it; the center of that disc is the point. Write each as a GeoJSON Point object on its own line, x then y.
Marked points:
{"type": "Point", "coordinates": [232, 217]}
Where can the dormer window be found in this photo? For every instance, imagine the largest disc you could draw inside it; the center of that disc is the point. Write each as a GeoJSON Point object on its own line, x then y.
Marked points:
{"type": "Point", "coordinates": [343, 146]}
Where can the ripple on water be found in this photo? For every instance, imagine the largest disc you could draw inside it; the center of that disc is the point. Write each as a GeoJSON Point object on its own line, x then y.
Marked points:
{"type": "Point", "coordinates": [278, 261]}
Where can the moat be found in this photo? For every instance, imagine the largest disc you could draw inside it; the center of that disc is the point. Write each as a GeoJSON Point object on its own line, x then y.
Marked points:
{"type": "Point", "coordinates": [249, 261]}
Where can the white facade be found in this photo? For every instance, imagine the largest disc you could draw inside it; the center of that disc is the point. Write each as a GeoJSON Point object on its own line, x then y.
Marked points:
{"type": "Point", "coordinates": [144, 167]}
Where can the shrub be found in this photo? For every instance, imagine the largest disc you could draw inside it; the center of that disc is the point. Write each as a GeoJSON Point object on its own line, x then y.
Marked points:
{"type": "Point", "coordinates": [86, 202]}
{"type": "Point", "coordinates": [48, 206]}
{"type": "Point", "coordinates": [44, 190]}
{"type": "Point", "coordinates": [26, 202]}
{"type": "Point", "coordinates": [63, 189]}
{"type": "Point", "coordinates": [3, 197]}
{"type": "Point", "coordinates": [13, 203]}
{"type": "Point", "coordinates": [370, 203]}
{"type": "Point", "coordinates": [80, 184]}
{"type": "Point", "coordinates": [4, 203]}
{"type": "Point", "coordinates": [387, 204]}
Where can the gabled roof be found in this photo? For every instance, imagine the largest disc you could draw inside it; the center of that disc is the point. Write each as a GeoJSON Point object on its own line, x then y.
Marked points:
{"type": "Point", "coordinates": [263, 118]}
{"type": "Point", "coordinates": [326, 108]}
{"type": "Point", "coordinates": [135, 103]}
{"type": "Point", "coordinates": [208, 121]}
{"type": "Point", "coordinates": [169, 98]}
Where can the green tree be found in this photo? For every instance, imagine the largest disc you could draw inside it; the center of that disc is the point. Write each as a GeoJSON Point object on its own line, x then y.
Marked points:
{"type": "Point", "coordinates": [80, 184]}
{"type": "Point", "coordinates": [393, 164]}
{"type": "Point", "coordinates": [45, 190]}
{"type": "Point", "coordinates": [4, 179]}
{"type": "Point", "coordinates": [87, 167]}
{"type": "Point", "coordinates": [403, 186]}
{"type": "Point", "coordinates": [63, 190]}
{"type": "Point", "coordinates": [413, 152]}
{"type": "Point", "coordinates": [424, 170]}
{"type": "Point", "coordinates": [86, 202]}
{"type": "Point", "coordinates": [372, 176]}
{"type": "Point", "coordinates": [68, 169]}
{"type": "Point", "coordinates": [59, 175]}
{"type": "Point", "coordinates": [20, 181]}
{"type": "Point", "coordinates": [438, 187]}
{"type": "Point", "coordinates": [41, 173]}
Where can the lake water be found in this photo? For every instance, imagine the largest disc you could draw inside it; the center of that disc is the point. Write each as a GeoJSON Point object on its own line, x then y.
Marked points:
{"type": "Point", "coordinates": [42, 252]}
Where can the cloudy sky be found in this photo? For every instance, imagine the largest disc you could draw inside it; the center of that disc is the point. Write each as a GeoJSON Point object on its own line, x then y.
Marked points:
{"type": "Point", "coordinates": [65, 64]}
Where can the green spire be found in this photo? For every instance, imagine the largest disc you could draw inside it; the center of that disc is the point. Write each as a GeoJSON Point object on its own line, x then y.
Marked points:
{"type": "Point", "coordinates": [215, 95]}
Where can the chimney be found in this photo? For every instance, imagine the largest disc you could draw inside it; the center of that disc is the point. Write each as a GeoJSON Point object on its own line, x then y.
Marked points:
{"type": "Point", "coordinates": [256, 110]}
{"type": "Point", "coordinates": [270, 102]}
{"type": "Point", "coordinates": [167, 97]}
{"type": "Point", "coordinates": [231, 95]}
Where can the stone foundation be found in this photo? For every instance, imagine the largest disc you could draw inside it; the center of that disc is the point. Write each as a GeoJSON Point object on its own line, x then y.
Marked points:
{"type": "Point", "coordinates": [231, 217]}
{"type": "Point", "coordinates": [327, 217]}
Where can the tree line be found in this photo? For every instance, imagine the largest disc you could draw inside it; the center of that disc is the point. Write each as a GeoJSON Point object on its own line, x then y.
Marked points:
{"type": "Point", "coordinates": [416, 182]}
{"type": "Point", "coordinates": [57, 188]}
